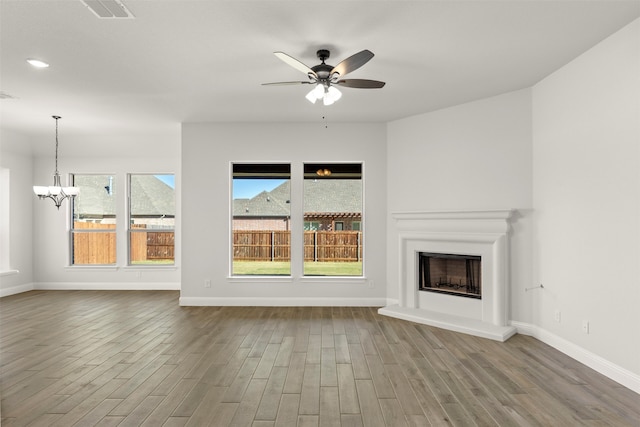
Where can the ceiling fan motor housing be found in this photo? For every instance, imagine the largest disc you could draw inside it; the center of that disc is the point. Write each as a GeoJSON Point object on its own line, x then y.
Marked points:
{"type": "Point", "coordinates": [323, 70]}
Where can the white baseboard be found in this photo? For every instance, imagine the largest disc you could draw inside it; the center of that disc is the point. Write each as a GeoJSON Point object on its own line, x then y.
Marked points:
{"type": "Point", "coordinates": [595, 362]}
{"type": "Point", "coordinates": [108, 286]}
{"type": "Point", "coordinates": [282, 302]}
{"type": "Point", "coordinates": [392, 301]}
{"type": "Point", "coordinates": [16, 289]}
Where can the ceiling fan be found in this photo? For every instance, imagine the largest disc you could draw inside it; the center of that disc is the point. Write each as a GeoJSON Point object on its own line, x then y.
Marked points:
{"type": "Point", "coordinates": [326, 77]}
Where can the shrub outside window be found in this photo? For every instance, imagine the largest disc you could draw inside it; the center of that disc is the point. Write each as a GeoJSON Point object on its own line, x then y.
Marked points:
{"type": "Point", "coordinates": [151, 222]}
{"type": "Point", "coordinates": [93, 225]}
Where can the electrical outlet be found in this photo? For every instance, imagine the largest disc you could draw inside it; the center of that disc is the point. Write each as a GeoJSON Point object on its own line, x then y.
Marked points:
{"type": "Point", "coordinates": [207, 283]}
{"type": "Point", "coordinates": [556, 316]}
{"type": "Point", "coordinates": [585, 326]}
{"type": "Point", "coordinates": [370, 284]}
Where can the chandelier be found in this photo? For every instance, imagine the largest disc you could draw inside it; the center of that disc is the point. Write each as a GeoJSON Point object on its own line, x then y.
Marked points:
{"type": "Point", "coordinates": [56, 192]}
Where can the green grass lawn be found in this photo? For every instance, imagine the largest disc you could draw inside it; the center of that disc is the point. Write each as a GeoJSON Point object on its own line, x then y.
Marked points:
{"type": "Point", "coordinates": [310, 268]}
{"type": "Point", "coordinates": [153, 262]}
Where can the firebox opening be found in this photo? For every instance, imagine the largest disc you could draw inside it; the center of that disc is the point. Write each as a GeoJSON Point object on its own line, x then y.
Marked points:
{"type": "Point", "coordinates": [450, 274]}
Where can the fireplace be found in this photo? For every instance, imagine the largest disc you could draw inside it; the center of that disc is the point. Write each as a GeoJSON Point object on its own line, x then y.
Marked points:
{"type": "Point", "coordinates": [450, 274]}
{"type": "Point", "coordinates": [452, 300]}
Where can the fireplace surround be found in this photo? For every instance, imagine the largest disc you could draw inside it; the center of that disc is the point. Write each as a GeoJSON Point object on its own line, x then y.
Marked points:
{"type": "Point", "coordinates": [482, 234]}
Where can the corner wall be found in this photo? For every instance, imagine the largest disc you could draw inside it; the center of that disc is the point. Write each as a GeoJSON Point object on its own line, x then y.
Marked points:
{"type": "Point", "coordinates": [586, 192]}
{"type": "Point", "coordinates": [16, 157]}
{"type": "Point", "coordinates": [475, 156]}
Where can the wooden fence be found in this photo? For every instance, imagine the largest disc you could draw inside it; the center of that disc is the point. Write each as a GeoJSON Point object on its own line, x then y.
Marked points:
{"type": "Point", "coordinates": [259, 245]}
{"type": "Point", "coordinates": [100, 248]}
{"type": "Point", "coordinates": [94, 248]}
{"type": "Point", "coordinates": [266, 245]}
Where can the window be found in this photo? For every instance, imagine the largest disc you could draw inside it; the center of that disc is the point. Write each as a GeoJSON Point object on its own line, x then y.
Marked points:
{"type": "Point", "coordinates": [4, 220]}
{"type": "Point", "coordinates": [311, 225]}
{"type": "Point", "coordinates": [333, 204]}
{"type": "Point", "coordinates": [93, 226]}
{"type": "Point", "coordinates": [332, 219]}
{"type": "Point", "coordinates": [152, 211]}
{"type": "Point", "coordinates": [261, 243]}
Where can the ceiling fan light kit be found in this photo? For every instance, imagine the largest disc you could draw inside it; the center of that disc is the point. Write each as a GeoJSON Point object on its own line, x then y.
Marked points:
{"type": "Point", "coordinates": [326, 77]}
{"type": "Point", "coordinates": [329, 94]}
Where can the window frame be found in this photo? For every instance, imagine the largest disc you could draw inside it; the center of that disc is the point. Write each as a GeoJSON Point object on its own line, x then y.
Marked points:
{"type": "Point", "coordinates": [130, 231]}
{"type": "Point", "coordinates": [299, 225]}
{"type": "Point", "coordinates": [251, 170]}
{"type": "Point", "coordinates": [332, 170]}
{"type": "Point", "coordinates": [73, 231]}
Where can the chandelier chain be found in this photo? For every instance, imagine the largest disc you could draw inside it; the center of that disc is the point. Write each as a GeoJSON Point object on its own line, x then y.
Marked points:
{"type": "Point", "coordinates": [57, 118]}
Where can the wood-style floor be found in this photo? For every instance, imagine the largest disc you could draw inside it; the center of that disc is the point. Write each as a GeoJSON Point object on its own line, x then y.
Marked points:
{"type": "Point", "coordinates": [134, 358]}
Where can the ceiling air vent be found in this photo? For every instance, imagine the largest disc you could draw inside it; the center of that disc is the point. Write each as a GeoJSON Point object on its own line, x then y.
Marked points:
{"type": "Point", "coordinates": [108, 9]}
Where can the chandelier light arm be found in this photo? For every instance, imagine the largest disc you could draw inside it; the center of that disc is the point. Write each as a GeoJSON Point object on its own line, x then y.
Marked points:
{"type": "Point", "coordinates": [57, 198]}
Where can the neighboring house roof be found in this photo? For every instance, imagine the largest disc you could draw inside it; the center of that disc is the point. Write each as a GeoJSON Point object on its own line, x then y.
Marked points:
{"type": "Point", "coordinates": [263, 204]}
{"type": "Point", "coordinates": [322, 196]}
{"type": "Point", "coordinates": [333, 195]}
{"type": "Point", "coordinates": [152, 197]}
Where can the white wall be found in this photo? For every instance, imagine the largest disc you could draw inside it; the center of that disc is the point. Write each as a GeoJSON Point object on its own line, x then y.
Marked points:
{"type": "Point", "coordinates": [15, 155]}
{"type": "Point", "coordinates": [51, 226]}
{"type": "Point", "coordinates": [586, 156]}
{"type": "Point", "coordinates": [475, 156]}
{"type": "Point", "coordinates": [208, 150]}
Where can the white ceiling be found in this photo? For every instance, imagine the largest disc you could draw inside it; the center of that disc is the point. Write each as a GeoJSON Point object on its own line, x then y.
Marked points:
{"type": "Point", "coordinates": [204, 61]}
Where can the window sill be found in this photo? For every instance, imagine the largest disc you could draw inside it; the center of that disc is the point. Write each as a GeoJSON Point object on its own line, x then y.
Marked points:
{"type": "Point", "coordinates": [92, 268]}
{"type": "Point", "coordinates": [263, 279]}
{"type": "Point", "coordinates": [149, 267]}
{"type": "Point", "coordinates": [9, 273]}
{"type": "Point", "coordinates": [116, 268]}
{"type": "Point", "coordinates": [334, 279]}
{"type": "Point", "coordinates": [305, 279]}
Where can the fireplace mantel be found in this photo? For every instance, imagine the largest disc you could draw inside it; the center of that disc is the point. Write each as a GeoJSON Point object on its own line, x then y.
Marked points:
{"type": "Point", "coordinates": [483, 233]}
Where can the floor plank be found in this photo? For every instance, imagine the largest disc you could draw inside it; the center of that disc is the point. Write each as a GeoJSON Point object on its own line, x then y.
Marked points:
{"type": "Point", "coordinates": [137, 358]}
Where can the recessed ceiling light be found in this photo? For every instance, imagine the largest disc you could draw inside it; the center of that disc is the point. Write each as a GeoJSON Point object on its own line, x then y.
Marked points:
{"type": "Point", "coordinates": [37, 63]}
